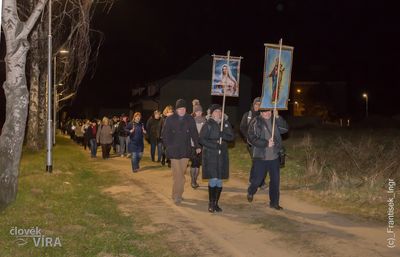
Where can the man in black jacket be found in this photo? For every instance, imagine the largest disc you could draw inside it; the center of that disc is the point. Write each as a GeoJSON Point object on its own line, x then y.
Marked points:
{"type": "Point", "coordinates": [153, 128]}
{"type": "Point", "coordinates": [265, 153]}
{"type": "Point", "coordinates": [123, 135]}
{"type": "Point", "coordinates": [244, 127]}
{"type": "Point", "coordinates": [177, 133]}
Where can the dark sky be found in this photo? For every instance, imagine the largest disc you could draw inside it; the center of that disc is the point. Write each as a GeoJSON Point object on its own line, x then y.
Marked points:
{"type": "Point", "coordinates": [354, 41]}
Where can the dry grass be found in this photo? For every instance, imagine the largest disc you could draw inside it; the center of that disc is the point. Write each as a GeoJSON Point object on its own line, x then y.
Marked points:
{"type": "Point", "coordinates": [343, 169]}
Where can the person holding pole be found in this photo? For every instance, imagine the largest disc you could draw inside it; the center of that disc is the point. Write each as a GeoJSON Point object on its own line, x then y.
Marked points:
{"type": "Point", "coordinates": [266, 144]}
{"type": "Point", "coordinates": [214, 135]}
{"type": "Point", "coordinates": [264, 135]}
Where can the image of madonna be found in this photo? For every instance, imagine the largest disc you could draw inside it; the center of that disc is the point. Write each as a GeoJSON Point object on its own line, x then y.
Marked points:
{"type": "Point", "coordinates": [228, 82]}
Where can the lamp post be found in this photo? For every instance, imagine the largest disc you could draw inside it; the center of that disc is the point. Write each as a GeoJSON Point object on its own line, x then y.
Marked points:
{"type": "Point", "coordinates": [49, 157]}
{"type": "Point", "coordinates": [365, 96]}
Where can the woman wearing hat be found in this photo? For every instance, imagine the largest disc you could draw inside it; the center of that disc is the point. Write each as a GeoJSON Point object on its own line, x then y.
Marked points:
{"type": "Point", "coordinates": [215, 155]}
{"type": "Point", "coordinates": [196, 157]}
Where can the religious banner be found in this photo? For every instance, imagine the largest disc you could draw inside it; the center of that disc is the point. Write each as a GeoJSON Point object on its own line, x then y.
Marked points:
{"type": "Point", "coordinates": [274, 86]}
{"type": "Point", "coordinates": [225, 76]}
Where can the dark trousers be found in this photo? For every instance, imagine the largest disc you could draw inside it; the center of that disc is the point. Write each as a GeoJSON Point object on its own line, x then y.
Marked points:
{"type": "Point", "coordinates": [93, 147]}
{"type": "Point", "coordinates": [260, 169]}
{"type": "Point", "coordinates": [105, 150]}
{"type": "Point", "coordinates": [153, 145]}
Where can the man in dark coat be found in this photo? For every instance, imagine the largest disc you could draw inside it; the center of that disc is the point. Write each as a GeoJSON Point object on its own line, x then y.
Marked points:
{"type": "Point", "coordinates": [178, 132]}
{"type": "Point", "coordinates": [123, 135]}
{"type": "Point", "coordinates": [215, 155]}
{"type": "Point", "coordinates": [244, 127]}
{"type": "Point", "coordinates": [153, 127]}
{"type": "Point", "coordinates": [265, 153]}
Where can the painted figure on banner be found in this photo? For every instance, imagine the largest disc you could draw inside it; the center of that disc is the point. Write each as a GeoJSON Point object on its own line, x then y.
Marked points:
{"type": "Point", "coordinates": [225, 77]}
{"type": "Point", "coordinates": [227, 81]}
{"type": "Point", "coordinates": [276, 86]}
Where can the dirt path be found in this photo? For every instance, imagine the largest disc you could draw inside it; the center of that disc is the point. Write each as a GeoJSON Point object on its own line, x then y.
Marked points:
{"type": "Point", "coordinates": [242, 229]}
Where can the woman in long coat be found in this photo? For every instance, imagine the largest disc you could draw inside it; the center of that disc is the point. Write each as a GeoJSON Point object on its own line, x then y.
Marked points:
{"type": "Point", "coordinates": [136, 143]}
{"type": "Point", "coordinates": [215, 155]}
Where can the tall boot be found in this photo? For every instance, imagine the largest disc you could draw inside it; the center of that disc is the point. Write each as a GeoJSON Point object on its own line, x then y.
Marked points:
{"type": "Point", "coordinates": [211, 199]}
{"type": "Point", "coordinates": [192, 176]}
{"type": "Point", "coordinates": [196, 174]}
{"type": "Point", "coordinates": [163, 159]}
{"type": "Point", "coordinates": [217, 195]}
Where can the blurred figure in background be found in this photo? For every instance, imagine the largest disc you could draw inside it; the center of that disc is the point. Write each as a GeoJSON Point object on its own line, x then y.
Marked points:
{"type": "Point", "coordinates": [153, 127]}
{"type": "Point", "coordinates": [136, 143]}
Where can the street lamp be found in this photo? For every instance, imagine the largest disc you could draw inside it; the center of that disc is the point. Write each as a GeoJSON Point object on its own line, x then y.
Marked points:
{"type": "Point", "coordinates": [49, 155]}
{"type": "Point", "coordinates": [365, 96]}
{"type": "Point", "coordinates": [298, 90]}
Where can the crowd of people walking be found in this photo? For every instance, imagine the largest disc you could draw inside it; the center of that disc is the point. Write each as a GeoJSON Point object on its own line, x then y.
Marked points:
{"type": "Point", "coordinates": [198, 140]}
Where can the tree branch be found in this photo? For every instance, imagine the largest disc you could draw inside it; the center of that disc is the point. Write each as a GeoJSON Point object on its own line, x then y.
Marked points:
{"type": "Point", "coordinates": [32, 19]}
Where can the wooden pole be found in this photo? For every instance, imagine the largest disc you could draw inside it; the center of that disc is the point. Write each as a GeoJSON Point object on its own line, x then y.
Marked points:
{"type": "Point", "coordinates": [277, 88]}
{"type": "Point", "coordinates": [223, 103]}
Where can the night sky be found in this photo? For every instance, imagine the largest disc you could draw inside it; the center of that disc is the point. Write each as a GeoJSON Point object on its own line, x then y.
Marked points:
{"type": "Point", "coordinates": [354, 41]}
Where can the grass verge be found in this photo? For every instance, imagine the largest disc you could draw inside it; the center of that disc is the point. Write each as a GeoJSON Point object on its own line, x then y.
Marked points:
{"type": "Point", "coordinates": [69, 204]}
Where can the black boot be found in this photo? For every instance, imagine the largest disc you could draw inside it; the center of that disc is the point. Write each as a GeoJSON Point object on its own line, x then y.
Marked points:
{"type": "Point", "coordinates": [192, 176]}
{"type": "Point", "coordinates": [218, 194]}
{"type": "Point", "coordinates": [211, 199]}
{"type": "Point", "coordinates": [196, 174]}
{"type": "Point", "coordinates": [163, 159]}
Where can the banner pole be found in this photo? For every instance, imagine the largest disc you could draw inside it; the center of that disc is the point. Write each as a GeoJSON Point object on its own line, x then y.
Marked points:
{"type": "Point", "coordinates": [277, 88]}
{"type": "Point", "coordinates": [223, 103]}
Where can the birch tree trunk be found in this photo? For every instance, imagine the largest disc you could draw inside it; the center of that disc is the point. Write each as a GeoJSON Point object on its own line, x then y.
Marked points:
{"type": "Point", "coordinates": [42, 115]}
{"type": "Point", "coordinates": [32, 136]}
{"type": "Point", "coordinates": [17, 96]}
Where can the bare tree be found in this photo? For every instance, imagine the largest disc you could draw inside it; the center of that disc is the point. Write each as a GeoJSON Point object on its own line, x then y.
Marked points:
{"type": "Point", "coordinates": [71, 19]}
{"type": "Point", "coordinates": [16, 35]}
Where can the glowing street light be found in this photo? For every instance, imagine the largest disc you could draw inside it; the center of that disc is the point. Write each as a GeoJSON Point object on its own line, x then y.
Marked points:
{"type": "Point", "coordinates": [298, 90]}
{"type": "Point", "coordinates": [365, 96]}
{"type": "Point", "coordinates": [64, 51]}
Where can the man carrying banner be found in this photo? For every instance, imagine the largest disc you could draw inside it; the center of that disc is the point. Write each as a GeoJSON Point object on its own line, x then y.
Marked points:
{"type": "Point", "coordinates": [265, 150]}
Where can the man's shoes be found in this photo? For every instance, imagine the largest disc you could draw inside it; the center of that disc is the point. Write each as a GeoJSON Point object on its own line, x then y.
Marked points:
{"type": "Point", "coordinates": [276, 207]}
{"type": "Point", "coordinates": [249, 198]}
